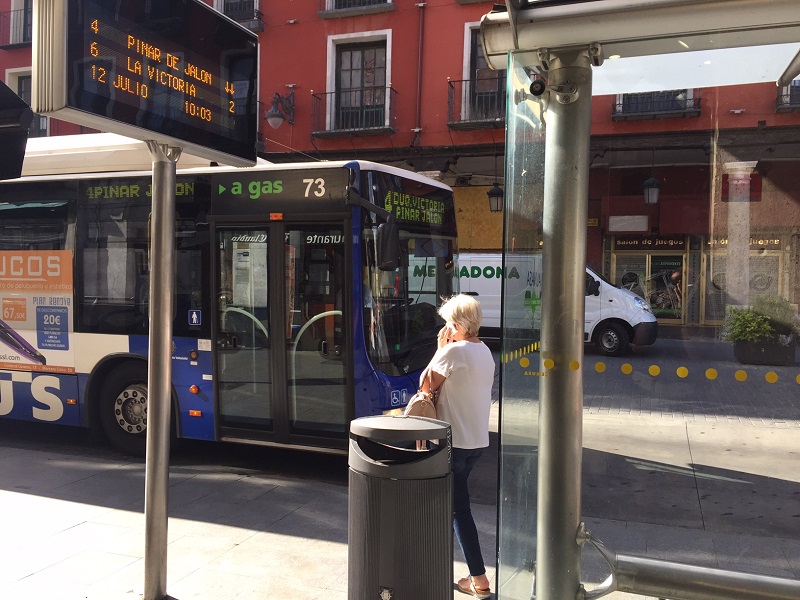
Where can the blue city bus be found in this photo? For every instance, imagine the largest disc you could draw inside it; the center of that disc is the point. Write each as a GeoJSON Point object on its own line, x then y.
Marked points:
{"type": "Point", "coordinates": [305, 296]}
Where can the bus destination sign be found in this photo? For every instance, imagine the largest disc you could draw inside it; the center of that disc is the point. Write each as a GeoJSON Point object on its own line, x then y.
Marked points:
{"type": "Point", "coordinates": [407, 207]}
{"type": "Point", "coordinates": [176, 71]}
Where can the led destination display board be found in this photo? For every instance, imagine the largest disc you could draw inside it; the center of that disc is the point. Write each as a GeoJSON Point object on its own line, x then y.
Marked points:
{"type": "Point", "coordinates": [176, 71]}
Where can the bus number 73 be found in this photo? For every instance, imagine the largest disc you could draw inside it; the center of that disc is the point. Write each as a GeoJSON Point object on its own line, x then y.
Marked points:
{"type": "Point", "coordinates": [318, 186]}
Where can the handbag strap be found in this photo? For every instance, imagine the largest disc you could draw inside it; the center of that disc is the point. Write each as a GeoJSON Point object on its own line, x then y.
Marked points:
{"type": "Point", "coordinates": [434, 394]}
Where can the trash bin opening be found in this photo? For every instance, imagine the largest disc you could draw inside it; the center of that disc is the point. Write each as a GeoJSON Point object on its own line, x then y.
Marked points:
{"type": "Point", "coordinates": [397, 453]}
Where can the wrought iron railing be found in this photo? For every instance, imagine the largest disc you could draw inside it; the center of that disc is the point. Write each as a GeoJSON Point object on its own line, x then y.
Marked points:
{"type": "Point", "coordinates": [365, 111]}
{"type": "Point", "coordinates": [244, 11]}
{"type": "Point", "coordinates": [788, 99]}
{"type": "Point", "coordinates": [648, 105]}
{"type": "Point", "coordinates": [348, 4]}
{"type": "Point", "coordinates": [476, 104]}
{"type": "Point", "coordinates": [16, 27]}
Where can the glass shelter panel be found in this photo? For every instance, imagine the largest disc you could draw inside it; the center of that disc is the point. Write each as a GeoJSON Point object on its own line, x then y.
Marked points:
{"type": "Point", "coordinates": [519, 360]}
{"type": "Point", "coordinates": [689, 436]}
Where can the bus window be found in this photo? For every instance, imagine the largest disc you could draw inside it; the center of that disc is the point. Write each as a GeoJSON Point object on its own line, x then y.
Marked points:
{"type": "Point", "coordinates": [317, 374]}
{"type": "Point", "coordinates": [243, 343]}
{"type": "Point", "coordinates": [113, 238]}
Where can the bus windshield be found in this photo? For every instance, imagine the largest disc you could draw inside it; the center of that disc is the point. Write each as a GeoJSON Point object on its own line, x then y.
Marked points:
{"type": "Point", "coordinates": [400, 305]}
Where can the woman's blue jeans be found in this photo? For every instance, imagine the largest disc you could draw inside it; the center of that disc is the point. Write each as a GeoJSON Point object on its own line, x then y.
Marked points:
{"type": "Point", "coordinates": [463, 523]}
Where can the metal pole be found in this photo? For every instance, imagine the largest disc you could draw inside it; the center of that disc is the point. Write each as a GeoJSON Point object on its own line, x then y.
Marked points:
{"type": "Point", "coordinates": [665, 579]}
{"type": "Point", "coordinates": [566, 186]}
{"type": "Point", "coordinates": [159, 375]}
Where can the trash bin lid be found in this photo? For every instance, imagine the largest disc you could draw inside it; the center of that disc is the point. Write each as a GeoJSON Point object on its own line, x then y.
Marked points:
{"type": "Point", "coordinates": [392, 429]}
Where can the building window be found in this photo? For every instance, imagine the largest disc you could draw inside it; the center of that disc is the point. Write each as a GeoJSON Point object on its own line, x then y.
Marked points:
{"type": "Point", "coordinates": [16, 25]}
{"type": "Point", "coordinates": [239, 9]}
{"type": "Point", "coordinates": [789, 97]}
{"type": "Point", "coordinates": [652, 105]}
{"type": "Point", "coordinates": [479, 100]}
{"type": "Point", "coordinates": [39, 124]}
{"type": "Point", "coordinates": [360, 99]}
{"type": "Point", "coordinates": [361, 86]}
{"type": "Point", "coordinates": [340, 4]}
{"type": "Point", "coordinates": [487, 86]}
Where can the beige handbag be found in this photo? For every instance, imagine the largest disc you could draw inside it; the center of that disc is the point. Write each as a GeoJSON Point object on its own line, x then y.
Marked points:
{"type": "Point", "coordinates": [422, 404]}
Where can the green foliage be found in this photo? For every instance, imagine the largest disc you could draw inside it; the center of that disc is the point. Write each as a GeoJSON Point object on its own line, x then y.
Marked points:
{"type": "Point", "coordinates": [769, 315]}
{"type": "Point", "coordinates": [780, 313]}
{"type": "Point", "coordinates": [745, 325]}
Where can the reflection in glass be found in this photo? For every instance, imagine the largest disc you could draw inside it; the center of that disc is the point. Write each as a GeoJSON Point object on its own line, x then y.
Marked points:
{"type": "Point", "coordinates": [670, 459]}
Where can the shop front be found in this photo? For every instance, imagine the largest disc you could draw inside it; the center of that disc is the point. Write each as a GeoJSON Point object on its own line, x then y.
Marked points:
{"type": "Point", "coordinates": [654, 267]}
{"type": "Point", "coordinates": [690, 280]}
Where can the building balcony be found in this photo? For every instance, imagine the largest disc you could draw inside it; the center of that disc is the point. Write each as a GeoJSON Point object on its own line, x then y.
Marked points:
{"type": "Point", "coordinates": [334, 9]}
{"type": "Point", "coordinates": [657, 105]}
{"type": "Point", "coordinates": [16, 28]}
{"type": "Point", "coordinates": [476, 104]}
{"type": "Point", "coordinates": [245, 12]}
{"type": "Point", "coordinates": [788, 99]}
{"type": "Point", "coordinates": [354, 112]}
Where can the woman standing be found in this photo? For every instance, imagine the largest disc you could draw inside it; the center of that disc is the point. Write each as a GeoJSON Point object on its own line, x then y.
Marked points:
{"type": "Point", "coordinates": [462, 371]}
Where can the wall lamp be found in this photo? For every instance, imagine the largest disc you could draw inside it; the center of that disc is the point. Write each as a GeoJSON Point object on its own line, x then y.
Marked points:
{"type": "Point", "coordinates": [652, 185]}
{"type": "Point", "coordinates": [495, 198]}
{"type": "Point", "coordinates": [281, 105]}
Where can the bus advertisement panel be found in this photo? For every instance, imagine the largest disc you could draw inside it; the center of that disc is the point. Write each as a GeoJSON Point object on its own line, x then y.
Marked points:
{"type": "Point", "coordinates": [36, 301]}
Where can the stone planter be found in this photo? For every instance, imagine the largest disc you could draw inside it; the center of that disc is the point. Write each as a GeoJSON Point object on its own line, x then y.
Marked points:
{"type": "Point", "coordinates": [764, 352]}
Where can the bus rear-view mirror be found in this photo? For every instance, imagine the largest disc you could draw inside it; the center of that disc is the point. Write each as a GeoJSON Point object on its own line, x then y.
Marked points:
{"type": "Point", "coordinates": [387, 242]}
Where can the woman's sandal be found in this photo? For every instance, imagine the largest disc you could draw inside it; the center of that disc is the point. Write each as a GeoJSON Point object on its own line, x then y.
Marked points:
{"type": "Point", "coordinates": [467, 586]}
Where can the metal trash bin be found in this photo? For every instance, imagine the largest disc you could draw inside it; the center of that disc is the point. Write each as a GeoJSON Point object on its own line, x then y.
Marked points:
{"type": "Point", "coordinates": [400, 510]}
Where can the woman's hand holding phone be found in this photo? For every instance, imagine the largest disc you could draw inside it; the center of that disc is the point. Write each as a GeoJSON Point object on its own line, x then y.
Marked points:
{"type": "Point", "coordinates": [445, 336]}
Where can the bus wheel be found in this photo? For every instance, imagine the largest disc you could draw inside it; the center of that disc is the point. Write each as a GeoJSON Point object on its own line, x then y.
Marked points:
{"type": "Point", "coordinates": [123, 407]}
{"type": "Point", "coordinates": [612, 339]}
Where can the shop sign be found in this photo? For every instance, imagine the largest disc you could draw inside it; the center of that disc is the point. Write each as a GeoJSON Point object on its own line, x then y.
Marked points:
{"type": "Point", "coordinates": [756, 243]}
{"type": "Point", "coordinates": [650, 242]}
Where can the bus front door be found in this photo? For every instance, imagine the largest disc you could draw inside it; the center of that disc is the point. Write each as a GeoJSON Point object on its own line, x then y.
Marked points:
{"type": "Point", "coordinates": [281, 365]}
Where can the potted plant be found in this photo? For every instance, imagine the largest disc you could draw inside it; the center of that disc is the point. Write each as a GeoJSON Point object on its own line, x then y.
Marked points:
{"type": "Point", "coordinates": [764, 333]}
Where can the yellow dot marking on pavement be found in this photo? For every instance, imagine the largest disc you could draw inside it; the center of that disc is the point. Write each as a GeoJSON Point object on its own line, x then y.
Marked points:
{"type": "Point", "coordinates": [626, 368]}
{"type": "Point", "coordinates": [797, 379]}
{"type": "Point", "coordinates": [507, 357]}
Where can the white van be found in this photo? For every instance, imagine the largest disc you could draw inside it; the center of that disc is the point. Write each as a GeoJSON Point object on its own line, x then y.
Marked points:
{"type": "Point", "coordinates": [615, 317]}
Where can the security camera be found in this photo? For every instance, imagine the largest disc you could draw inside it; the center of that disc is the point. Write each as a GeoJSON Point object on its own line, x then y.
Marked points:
{"type": "Point", "coordinates": [538, 87]}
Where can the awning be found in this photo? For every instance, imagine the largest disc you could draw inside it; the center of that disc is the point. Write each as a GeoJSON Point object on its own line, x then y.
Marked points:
{"type": "Point", "coordinates": [15, 119]}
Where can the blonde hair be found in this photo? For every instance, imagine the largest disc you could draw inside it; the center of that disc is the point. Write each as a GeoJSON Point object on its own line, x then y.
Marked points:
{"type": "Point", "coordinates": [464, 311]}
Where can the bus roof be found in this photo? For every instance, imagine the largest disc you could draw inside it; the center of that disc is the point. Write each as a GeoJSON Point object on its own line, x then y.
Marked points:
{"type": "Point", "coordinates": [93, 153]}
{"type": "Point", "coordinates": [98, 154]}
